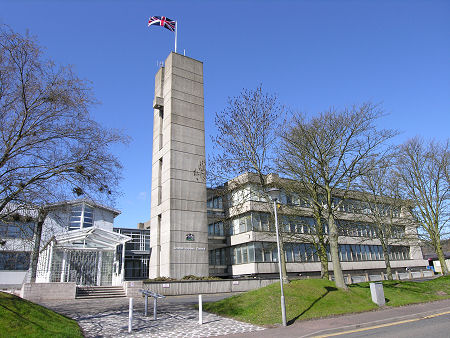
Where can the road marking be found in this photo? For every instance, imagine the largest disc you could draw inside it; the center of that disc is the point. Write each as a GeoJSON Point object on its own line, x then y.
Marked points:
{"type": "Point", "coordinates": [383, 325]}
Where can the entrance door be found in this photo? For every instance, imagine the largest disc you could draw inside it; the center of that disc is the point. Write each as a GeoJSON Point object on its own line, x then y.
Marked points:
{"type": "Point", "coordinates": [83, 267]}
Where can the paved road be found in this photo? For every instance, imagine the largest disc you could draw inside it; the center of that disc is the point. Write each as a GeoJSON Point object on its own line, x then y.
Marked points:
{"type": "Point", "coordinates": [437, 325]}
{"type": "Point", "coordinates": [340, 325]}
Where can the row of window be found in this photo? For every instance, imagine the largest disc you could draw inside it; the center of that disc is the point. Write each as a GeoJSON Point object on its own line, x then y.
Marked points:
{"type": "Point", "coordinates": [258, 221]}
{"type": "Point", "coordinates": [14, 260]}
{"type": "Point", "coordinates": [17, 230]}
{"type": "Point", "coordinates": [253, 193]}
{"type": "Point", "coordinates": [260, 252]}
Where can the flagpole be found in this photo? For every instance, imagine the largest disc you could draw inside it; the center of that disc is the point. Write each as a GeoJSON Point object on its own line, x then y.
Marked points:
{"type": "Point", "coordinates": [176, 32]}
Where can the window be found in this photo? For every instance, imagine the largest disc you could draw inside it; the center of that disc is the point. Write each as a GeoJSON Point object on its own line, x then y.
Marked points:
{"type": "Point", "coordinates": [81, 216]}
{"type": "Point", "coordinates": [216, 229]}
{"type": "Point", "coordinates": [14, 260]}
{"type": "Point", "coordinates": [17, 230]}
{"type": "Point", "coordinates": [214, 203]}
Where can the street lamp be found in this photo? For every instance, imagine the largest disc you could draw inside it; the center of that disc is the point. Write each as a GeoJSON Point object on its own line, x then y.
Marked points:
{"type": "Point", "coordinates": [274, 194]}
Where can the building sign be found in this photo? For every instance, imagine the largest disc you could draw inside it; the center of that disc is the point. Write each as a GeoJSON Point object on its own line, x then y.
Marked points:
{"type": "Point", "coordinates": [183, 248]}
{"type": "Point", "coordinates": [190, 237]}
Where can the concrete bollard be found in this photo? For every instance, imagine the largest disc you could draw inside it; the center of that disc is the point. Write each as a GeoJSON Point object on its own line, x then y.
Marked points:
{"type": "Point", "coordinates": [130, 315]}
{"type": "Point", "coordinates": [349, 279]}
{"type": "Point", "coordinates": [200, 310]}
{"type": "Point", "coordinates": [377, 292]}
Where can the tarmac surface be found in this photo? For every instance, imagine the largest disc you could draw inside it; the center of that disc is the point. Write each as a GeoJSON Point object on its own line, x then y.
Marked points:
{"type": "Point", "coordinates": [176, 317]}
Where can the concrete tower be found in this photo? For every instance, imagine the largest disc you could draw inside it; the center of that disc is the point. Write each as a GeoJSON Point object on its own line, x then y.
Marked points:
{"type": "Point", "coordinates": [178, 224]}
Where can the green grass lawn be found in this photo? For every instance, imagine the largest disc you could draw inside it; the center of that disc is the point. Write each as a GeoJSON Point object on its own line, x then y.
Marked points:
{"type": "Point", "coordinates": [21, 318]}
{"type": "Point", "coordinates": [313, 298]}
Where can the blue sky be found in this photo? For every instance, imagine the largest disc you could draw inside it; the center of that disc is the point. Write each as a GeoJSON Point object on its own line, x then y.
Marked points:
{"type": "Point", "coordinates": [312, 54]}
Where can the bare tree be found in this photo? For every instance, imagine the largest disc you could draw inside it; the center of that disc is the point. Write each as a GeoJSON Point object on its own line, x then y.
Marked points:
{"type": "Point", "coordinates": [50, 148]}
{"type": "Point", "coordinates": [382, 205]}
{"type": "Point", "coordinates": [245, 143]}
{"type": "Point", "coordinates": [329, 153]}
{"type": "Point", "coordinates": [307, 203]}
{"type": "Point", "coordinates": [423, 168]}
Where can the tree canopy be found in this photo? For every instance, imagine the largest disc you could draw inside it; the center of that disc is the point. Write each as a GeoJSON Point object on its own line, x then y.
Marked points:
{"type": "Point", "coordinates": [50, 147]}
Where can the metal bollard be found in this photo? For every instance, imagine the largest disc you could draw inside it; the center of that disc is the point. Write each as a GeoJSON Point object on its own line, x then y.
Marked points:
{"type": "Point", "coordinates": [146, 305]}
{"type": "Point", "coordinates": [130, 315]}
{"type": "Point", "coordinates": [200, 310]}
{"type": "Point", "coordinates": [155, 307]}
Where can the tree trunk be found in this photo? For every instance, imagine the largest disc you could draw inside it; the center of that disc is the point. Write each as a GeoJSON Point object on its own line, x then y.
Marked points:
{"type": "Point", "coordinates": [334, 251]}
{"type": "Point", "coordinates": [440, 254]}
{"type": "Point", "coordinates": [387, 260]}
{"type": "Point", "coordinates": [324, 273]}
{"type": "Point", "coordinates": [42, 215]}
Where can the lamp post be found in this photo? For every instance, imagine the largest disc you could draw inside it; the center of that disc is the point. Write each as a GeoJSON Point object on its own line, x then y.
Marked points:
{"type": "Point", "coordinates": [274, 194]}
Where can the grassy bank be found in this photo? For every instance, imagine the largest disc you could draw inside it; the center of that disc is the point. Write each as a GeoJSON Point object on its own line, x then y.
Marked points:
{"type": "Point", "coordinates": [313, 298]}
{"type": "Point", "coordinates": [21, 318]}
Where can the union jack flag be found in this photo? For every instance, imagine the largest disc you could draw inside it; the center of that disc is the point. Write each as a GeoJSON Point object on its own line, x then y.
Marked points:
{"type": "Point", "coordinates": [162, 21]}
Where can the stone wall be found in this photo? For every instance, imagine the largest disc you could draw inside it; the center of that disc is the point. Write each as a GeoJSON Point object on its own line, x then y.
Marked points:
{"type": "Point", "coordinates": [48, 291]}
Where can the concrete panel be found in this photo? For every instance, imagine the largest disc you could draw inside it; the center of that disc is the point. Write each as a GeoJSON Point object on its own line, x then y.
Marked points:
{"type": "Point", "coordinates": [186, 63]}
{"type": "Point", "coordinates": [48, 291]}
{"type": "Point", "coordinates": [10, 277]}
{"type": "Point", "coordinates": [187, 134]}
{"type": "Point", "coordinates": [185, 121]}
{"type": "Point", "coordinates": [188, 75]}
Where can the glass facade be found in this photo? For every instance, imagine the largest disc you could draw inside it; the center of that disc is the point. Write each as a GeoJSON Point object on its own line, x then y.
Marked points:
{"type": "Point", "coordinates": [17, 229]}
{"type": "Point", "coordinates": [259, 221]}
{"type": "Point", "coordinates": [14, 260]}
{"type": "Point", "coordinates": [263, 252]}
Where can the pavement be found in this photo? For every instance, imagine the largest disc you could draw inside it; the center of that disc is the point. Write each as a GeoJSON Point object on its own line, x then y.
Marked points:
{"type": "Point", "coordinates": [176, 317]}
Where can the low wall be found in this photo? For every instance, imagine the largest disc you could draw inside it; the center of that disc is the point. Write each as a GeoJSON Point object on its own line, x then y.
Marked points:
{"type": "Point", "coordinates": [383, 276]}
{"type": "Point", "coordinates": [48, 291]}
{"type": "Point", "coordinates": [178, 288]}
{"type": "Point", "coordinates": [11, 277]}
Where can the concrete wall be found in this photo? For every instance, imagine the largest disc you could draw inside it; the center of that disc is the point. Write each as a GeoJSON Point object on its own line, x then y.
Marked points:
{"type": "Point", "coordinates": [48, 291]}
{"type": "Point", "coordinates": [306, 267]}
{"type": "Point", "coordinates": [196, 287]}
{"type": "Point", "coordinates": [178, 196]}
{"type": "Point", "coordinates": [11, 277]}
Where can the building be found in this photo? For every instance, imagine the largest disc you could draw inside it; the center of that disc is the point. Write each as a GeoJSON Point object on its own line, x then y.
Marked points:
{"type": "Point", "coordinates": [137, 253]}
{"type": "Point", "coordinates": [199, 232]}
{"type": "Point", "coordinates": [242, 241]}
{"type": "Point", "coordinates": [77, 245]}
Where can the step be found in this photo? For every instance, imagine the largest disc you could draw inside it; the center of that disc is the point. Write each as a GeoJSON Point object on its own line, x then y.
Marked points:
{"type": "Point", "coordinates": [86, 292]}
{"type": "Point", "coordinates": [92, 297]}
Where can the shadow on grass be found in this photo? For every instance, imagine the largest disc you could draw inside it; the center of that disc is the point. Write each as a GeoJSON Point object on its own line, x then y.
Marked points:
{"type": "Point", "coordinates": [22, 317]}
{"type": "Point", "coordinates": [328, 288]}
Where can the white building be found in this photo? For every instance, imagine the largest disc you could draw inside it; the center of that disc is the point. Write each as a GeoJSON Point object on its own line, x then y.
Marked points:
{"type": "Point", "coordinates": [77, 245]}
